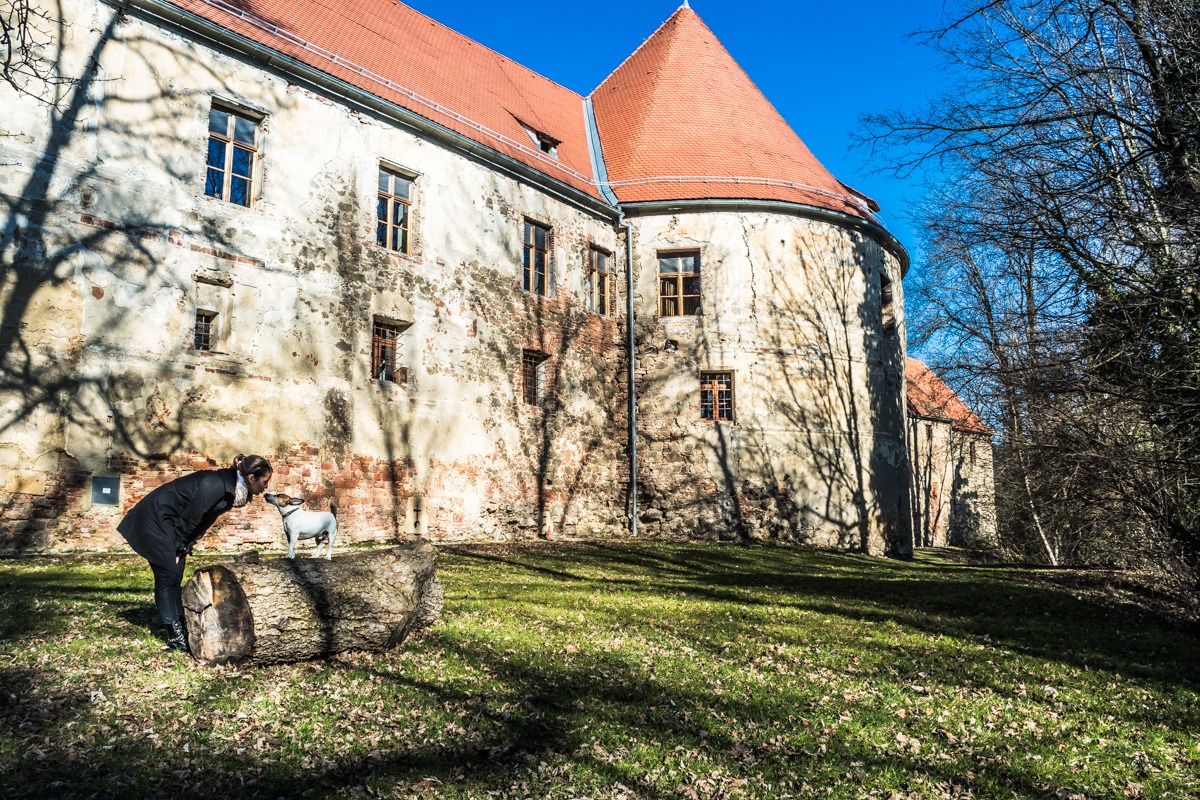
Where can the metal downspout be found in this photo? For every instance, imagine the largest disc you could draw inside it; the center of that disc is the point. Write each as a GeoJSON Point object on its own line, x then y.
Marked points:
{"type": "Point", "coordinates": [633, 484]}
{"type": "Point", "coordinates": [601, 173]}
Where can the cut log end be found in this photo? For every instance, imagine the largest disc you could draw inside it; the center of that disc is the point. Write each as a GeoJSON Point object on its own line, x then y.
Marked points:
{"type": "Point", "coordinates": [217, 614]}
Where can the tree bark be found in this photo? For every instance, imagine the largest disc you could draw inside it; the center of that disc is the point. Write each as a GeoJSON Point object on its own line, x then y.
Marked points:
{"type": "Point", "coordinates": [295, 610]}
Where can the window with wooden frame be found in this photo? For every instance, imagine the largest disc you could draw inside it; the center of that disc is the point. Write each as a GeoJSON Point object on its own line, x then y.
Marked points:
{"type": "Point", "coordinates": [385, 350]}
{"type": "Point", "coordinates": [533, 377]}
{"type": "Point", "coordinates": [393, 210]}
{"type": "Point", "coordinates": [535, 269]}
{"type": "Point", "coordinates": [601, 287]}
{"type": "Point", "coordinates": [716, 396]}
{"type": "Point", "coordinates": [679, 284]}
{"type": "Point", "coordinates": [887, 307]}
{"type": "Point", "coordinates": [232, 155]}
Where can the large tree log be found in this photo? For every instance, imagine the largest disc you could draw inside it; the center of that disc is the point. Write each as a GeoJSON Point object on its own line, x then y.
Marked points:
{"type": "Point", "coordinates": [293, 610]}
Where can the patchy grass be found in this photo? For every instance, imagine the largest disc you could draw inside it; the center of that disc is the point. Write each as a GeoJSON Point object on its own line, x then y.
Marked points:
{"type": "Point", "coordinates": [632, 670]}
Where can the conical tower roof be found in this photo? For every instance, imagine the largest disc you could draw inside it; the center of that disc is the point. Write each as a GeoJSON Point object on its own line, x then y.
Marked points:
{"type": "Point", "coordinates": [680, 120]}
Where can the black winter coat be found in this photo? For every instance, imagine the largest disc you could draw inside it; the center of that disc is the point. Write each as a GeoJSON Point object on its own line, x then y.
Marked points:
{"type": "Point", "coordinates": [168, 521]}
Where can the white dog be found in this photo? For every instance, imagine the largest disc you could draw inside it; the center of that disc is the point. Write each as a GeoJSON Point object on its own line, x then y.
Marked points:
{"type": "Point", "coordinates": [299, 524]}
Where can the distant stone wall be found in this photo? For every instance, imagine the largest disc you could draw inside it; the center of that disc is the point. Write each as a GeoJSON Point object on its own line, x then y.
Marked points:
{"type": "Point", "coordinates": [953, 489]}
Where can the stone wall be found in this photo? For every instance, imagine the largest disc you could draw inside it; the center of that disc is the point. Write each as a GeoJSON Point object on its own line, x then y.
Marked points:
{"type": "Point", "coordinates": [815, 453]}
{"type": "Point", "coordinates": [953, 488]}
{"type": "Point", "coordinates": [111, 245]}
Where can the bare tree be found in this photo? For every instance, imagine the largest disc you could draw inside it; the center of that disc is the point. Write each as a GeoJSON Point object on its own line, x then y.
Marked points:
{"type": "Point", "coordinates": [1069, 143]}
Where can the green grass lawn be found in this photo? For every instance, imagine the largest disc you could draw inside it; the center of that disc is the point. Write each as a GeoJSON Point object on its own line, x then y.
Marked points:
{"type": "Point", "coordinates": [620, 670]}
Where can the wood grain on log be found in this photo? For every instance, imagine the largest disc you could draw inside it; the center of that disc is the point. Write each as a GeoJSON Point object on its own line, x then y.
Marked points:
{"type": "Point", "coordinates": [294, 610]}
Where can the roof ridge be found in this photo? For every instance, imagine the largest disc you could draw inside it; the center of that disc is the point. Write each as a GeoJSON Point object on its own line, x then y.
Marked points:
{"type": "Point", "coordinates": [638, 49]}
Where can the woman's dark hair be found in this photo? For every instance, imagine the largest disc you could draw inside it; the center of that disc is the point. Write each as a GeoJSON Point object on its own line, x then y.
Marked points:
{"type": "Point", "coordinates": [252, 465]}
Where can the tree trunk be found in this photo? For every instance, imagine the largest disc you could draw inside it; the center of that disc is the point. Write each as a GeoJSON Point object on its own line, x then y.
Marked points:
{"type": "Point", "coordinates": [294, 610]}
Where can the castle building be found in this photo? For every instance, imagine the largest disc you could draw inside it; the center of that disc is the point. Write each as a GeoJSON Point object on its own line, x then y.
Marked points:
{"type": "Point", "coordinates": [434, 288]}
{"type": "Point", "coordinates": [952, 478]}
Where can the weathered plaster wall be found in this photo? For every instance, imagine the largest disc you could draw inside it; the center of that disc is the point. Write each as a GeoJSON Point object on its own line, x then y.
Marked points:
{"type": "Point", "coordinates": [112, 240]}
{"type": "Point", "coordinates": [816, 452]}
{"type": "Point", "coordinates": [953, 489]}
{"type": "Point", "coordinates": [110, 245]}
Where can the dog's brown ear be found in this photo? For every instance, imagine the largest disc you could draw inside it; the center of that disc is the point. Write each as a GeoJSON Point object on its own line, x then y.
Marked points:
{"type": "Point", "coordinates": [295, 501]}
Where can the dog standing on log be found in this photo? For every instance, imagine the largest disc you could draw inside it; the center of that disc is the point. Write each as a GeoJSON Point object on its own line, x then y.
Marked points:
{"type": "Point", "coordinates": [299, 524]}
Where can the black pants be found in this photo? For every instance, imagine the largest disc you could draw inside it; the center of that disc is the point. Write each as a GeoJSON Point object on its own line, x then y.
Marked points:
{"type": "Point", "coordinates": [168, 596]}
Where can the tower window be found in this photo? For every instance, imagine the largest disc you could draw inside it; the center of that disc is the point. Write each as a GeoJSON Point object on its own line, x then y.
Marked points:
{"type": "Point", "coordinates": [887, 307]}
{"type": "Point", "coordinates": [679, 284]}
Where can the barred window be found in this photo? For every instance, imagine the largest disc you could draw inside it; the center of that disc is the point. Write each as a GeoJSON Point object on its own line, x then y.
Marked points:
{"type": "Point", "coordinates": [393, 210]}
{"type": "Point", "coordinates": [535, 269]}
{"type": "Point", "coordinates": [679, 284]}
{"type": "Point", "coordinates": [716, 396]}
{"type": "Point", "coordinates": [205, 329]}
{"type": "Point", "coordinates": [533, 377]}
{"type": "Point", "coordinates": [232, 152]}
{"type": "Point", "coordinates": [601, 288]}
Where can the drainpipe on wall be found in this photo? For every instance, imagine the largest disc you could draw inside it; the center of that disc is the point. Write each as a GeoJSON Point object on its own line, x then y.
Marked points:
{"type": "Point", "coordinates": [633, 518]}
{"type": "Point", "coordinates": [601, 172]}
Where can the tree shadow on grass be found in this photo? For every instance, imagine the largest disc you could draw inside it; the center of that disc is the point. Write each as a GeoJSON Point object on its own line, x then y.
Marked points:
{"type": "Point", "coordinates": [491, 716]}
{"type": "Point", "coordinates": [981, 605]}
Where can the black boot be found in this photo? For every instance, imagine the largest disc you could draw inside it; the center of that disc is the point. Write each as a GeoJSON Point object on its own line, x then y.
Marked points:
{"type": "Point", "coordinates": [177, 636]}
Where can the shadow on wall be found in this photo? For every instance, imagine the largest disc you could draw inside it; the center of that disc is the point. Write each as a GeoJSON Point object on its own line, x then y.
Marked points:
{"type": "Point", "coordinates": [91, 251]}
{"type": "Point", "coordinates": [556, 364]}
{"type": "Point", "coordinates": [820, 458]}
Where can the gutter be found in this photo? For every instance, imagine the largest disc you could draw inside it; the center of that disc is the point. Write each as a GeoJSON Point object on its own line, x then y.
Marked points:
{"type": "Point", "coordinates": [632, 378]}
{"type": "Point", "coordinates": [873, 229]}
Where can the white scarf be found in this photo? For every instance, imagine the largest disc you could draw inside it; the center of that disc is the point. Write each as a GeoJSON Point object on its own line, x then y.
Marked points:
{"type": "Point", "coordinates": [241, 494]}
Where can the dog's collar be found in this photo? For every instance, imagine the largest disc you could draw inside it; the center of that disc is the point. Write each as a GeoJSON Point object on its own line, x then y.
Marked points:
{"type": "Point", "coordinates": [285, 513]}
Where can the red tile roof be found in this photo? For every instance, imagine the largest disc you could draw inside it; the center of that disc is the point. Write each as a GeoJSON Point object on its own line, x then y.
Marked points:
{"type": "Point", "coordinates": [929, 396]}
{"type": "Point", "coordinates": [678, 120]}
{"type": "Point", "coordinates": [404, 57]}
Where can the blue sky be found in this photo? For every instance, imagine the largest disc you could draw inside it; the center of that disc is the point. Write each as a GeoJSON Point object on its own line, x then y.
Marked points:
{"type": "Point", "coordinates": [822, 64]}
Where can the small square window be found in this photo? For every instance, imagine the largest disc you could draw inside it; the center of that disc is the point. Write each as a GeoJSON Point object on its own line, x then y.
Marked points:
{"type": "Point", "coordinates": [546, 143]}
{"type": "Point", "coordinates": [394, 210]}
{"type": "Point", "coordinates": [679, 284]}
{"type": "Point", "coordinates": [716, 396]}
{"type": "Point", "coordinates": [212, 301]}
{"type": "Point", "coordinates": [533, 377]}
{"type": "Point", "coordinates": [601, 287]}
{"type": "Point", "coordinates": [535, 264]}
{"type": "Point", "coordinates": [232, 154]}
